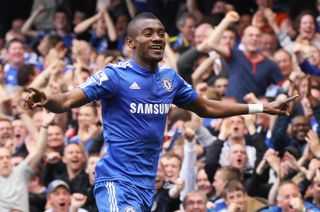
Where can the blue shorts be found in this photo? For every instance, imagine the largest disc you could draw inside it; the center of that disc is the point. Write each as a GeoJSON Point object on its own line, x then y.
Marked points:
{"type": "Point", "coordinates": [119, 196]}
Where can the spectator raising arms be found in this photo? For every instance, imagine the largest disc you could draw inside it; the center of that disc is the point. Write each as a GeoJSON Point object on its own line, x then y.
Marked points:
{"type": "Point", "coordinates": [14, 180]}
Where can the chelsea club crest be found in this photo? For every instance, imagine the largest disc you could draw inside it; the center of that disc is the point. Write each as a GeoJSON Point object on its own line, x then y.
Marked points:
{"type": "Point", "coordinates": [167, 84]}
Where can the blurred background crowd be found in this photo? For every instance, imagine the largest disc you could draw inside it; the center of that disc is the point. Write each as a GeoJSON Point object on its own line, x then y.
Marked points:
{"type": "Point", "coordinates": [249, 51]}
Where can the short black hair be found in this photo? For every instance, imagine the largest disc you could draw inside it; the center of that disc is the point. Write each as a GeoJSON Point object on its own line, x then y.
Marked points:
{"type": "Point", "coordinates": [62, 9]}
{"type": "Point", "coordinates": [25, 73]}
{"type": "Point", "coordinates": [131, 28]}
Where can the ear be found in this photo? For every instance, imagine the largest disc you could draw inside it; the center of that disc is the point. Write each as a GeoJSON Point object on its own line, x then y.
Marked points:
{"type": "Point", "coordinates": [130, 42]}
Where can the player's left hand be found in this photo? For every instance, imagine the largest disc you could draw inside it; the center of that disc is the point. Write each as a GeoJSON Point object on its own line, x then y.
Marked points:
{"type": "Point", "coordinates": [280, 106]}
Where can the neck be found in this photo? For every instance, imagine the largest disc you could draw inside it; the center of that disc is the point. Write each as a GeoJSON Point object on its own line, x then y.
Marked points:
{"type": "Point", "coordinates": [305, 36]}
{"type": "Point", "coordinates": [236, 140]}
{"type": "Point", "coordinates": [252, 54]}
{"type": "Point", "coordinates": [17, 142]}
{"type": "Point", "coordinates": [151, 65]}
{"type": "Point", "coordinates": [241, 172]}
{"type": "Point", "coordinates": [73, 173]}
{"type": "Point", "coordinates": [65, 209]}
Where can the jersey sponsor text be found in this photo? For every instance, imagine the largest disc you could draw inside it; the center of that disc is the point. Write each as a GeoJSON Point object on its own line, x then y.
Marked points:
{"type": "Point", "coordinates": [141, 108]}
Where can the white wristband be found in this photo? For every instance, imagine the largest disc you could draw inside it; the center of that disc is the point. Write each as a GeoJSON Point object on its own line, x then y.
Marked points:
{"type": "Point", "coordinates": [255, 108]}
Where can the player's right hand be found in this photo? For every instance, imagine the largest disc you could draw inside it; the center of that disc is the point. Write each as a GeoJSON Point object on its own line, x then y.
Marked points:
{"type": "Point", "coordinates": [280, 106]}
{"type": "Point", "coordinates": [36, 98]}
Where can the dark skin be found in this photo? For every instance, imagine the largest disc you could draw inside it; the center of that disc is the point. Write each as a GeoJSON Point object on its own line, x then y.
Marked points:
{"type": "Point", "coordinates": [148, 43]}
{"type": "Point", "coordinates": [300, 127]}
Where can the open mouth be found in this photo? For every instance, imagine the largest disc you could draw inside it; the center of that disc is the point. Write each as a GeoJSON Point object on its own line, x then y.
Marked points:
{"type": "Point", "coordinates": [62, 204]}
{"type": "Point", "coordinates": [239, 161]}
{"type": "Point", "coordinates": [74, 161]}
{"type": "Point", "coordinates": [157, 48]}
{"type": "Point", "coordinates": [301, 134]}
{"type": "Point", "coordinates": [308, 30]}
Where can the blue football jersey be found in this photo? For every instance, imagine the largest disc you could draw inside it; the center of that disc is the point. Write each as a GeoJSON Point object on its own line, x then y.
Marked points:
{"type": "Point", "coordinates": [135, 103]}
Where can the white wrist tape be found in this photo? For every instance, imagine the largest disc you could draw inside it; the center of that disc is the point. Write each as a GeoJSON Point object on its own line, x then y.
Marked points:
{"type": "Point", "coordinates": [255, 108]}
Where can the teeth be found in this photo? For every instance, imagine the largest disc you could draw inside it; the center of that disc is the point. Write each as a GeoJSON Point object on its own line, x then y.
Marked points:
{"type": "Point", "coordinates": [156, 47]}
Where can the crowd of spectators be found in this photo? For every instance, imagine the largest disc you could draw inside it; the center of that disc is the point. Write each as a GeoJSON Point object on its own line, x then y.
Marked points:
{"type": "Point", "coordinates": [233, 51]}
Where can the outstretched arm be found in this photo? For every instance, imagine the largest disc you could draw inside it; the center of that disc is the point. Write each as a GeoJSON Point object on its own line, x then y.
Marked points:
{"type": "Point", "coordinates": [58, 103]}
{"type": "Point", "coordinates": [217, 109]}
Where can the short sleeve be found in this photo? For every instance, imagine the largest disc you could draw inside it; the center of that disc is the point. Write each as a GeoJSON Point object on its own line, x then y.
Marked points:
{"type": "Point", "coordinates": [185, 94]}
{"type": "Point", "coordinates": [101, 84]}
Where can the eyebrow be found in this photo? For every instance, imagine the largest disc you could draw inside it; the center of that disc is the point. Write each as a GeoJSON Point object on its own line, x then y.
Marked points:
{"type": "Point", "coordinates": [152, 29]}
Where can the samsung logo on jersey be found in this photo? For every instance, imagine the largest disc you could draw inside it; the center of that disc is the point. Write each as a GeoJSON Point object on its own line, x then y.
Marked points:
{"type": "Point", "coordinates": [140, 108]}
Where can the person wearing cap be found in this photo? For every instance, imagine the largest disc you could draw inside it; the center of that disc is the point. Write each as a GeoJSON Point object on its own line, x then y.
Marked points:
{"type": "Point", "coordinates": [14, 180]}
{"type": "Point", "coordinates": [60, 198]}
